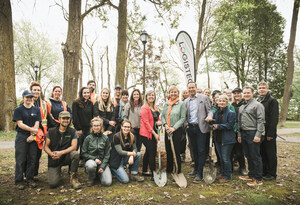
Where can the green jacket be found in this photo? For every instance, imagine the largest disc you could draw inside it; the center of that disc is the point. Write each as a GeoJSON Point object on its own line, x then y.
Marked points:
{"type": "Point", "coordinates": [178, 114]}
{"type": "Point", "coordinates": [96, 147]}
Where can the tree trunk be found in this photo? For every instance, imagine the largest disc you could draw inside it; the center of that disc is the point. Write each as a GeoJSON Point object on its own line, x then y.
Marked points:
{"type": "Point", "coordinates": [80, 72]}
{"type": "Point", "coordinates": [7, 69]}
{"type": "Point", "coordinates": [107, 61]}
{"type": "Point", "coordinates": [199, 37]}
{"type": "Point", "coordinates": [290, 68]}
{"type": "Point", "coordinates": [71, 51]}
{"type": "Point", "coordinates": [101, 70]}
{"type": "Point", "coordinates": [122, 42]}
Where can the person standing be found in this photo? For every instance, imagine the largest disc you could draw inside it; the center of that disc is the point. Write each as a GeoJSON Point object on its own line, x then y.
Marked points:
{"type": "Point", "coordinates": [96, 152]}
{"type": "Point", "coordinates": [148, 130]}
{"type": "Point", "coordinates": [172, 118]}
{"type": "Point", "coordinates": [119, 109]}
{"type": "Point", "coordinates": [91, 84]}
{"type": "Point", "coordinates": [237, 152]}
{"type": "Point", "coordinates": [117, 95]}
{"type": "Point", "coordinates": [199, 114]}
{"type": "Point", "coordinates": [251, 127]}
{"type": "Point", "coordinates": [224, 137]}
{"type": "Point", "coordinates": [83, 112]}
{"type": "Point", "coordinates": [268, 145]}
{"type": "Point", "coordinates": [36, 88]}
{"type": "Point", "coordinates": [55, 106]}
{"type": "Point", "coordinates": [28, 119]}
{"type": "Point", "coordinates": [132, 113]}
{"type": "Point", "coordinates": [104, 108]}
{"type": "Point", "coordinates": [124, 152]}
{"type": "Point", "coordinates": [61, 144]}
{"type": "Point", "coordinates": [184, 95]}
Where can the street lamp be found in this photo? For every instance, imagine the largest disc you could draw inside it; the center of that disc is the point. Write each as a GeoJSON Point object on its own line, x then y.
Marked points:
{"type": "Point", "coordinates": [36, 69]}
{"type": "Point", "coordinates": [144, 37]}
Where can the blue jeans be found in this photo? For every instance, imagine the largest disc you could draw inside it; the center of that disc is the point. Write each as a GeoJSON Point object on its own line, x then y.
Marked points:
{"type": "Point", "coordinates": [25, 154]}
{"type": "Point", "coordinates": [121, 174]}
{"type": "Point", "coordinates": [198, 141]}
{"type": "Point", "coordinates": [92, 168]}
{"type": "Point", "coordinates": [225, 159]}
{"type": "Point", "coordinates": [252, 152]}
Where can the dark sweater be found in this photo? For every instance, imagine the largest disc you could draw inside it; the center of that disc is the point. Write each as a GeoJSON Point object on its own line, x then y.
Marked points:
{"type": "Point", "coordinates": [57, 107]}
{"type": "Point", "coordinates": [82, 116]}
{"type": "Point", "coordinates": [105, 116]}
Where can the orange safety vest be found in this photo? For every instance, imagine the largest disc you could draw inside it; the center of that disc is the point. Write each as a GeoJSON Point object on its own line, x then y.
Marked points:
{"type": "Point", "coordinates": [94, 97]}
{"type": "Point", "coordinates": [115, 102]}
{"type": "Point", "coordinates": [44, 111]}
{"type": "Point", "coordinates": [64, 104]}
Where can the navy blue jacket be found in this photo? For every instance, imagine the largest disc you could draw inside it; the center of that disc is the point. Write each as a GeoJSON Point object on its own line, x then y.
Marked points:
{"type": "Point", "coordinates": [227, 127]}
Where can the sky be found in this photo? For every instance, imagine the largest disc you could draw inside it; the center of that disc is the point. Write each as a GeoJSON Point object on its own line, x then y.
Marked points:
{"type": "Point", "coordinates": [48, 17]}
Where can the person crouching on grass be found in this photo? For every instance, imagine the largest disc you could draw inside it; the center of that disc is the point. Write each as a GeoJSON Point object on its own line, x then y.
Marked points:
{"type": "Point", "coordinates": [61, 144]}
{"type": "Point", "coordinates": [123, 152]}
{"type": "Point", "coordinates": [96, 152]}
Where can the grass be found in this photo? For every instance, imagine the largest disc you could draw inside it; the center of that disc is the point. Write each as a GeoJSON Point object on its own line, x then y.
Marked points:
{"type": "Point", "coordinates": [290, 124]}
{"type": "Point", "coordinates": [7, 136]}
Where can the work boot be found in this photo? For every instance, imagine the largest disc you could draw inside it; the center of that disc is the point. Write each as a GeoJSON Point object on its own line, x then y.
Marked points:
{"type": "Point", "coordinates": [74, 180]}
{"type": "Point", "coordinates": [135, 177]}
{"type": "Point", "coordinates": [90, 182]}
{"type": "Point", "coordinates": [243, 172]}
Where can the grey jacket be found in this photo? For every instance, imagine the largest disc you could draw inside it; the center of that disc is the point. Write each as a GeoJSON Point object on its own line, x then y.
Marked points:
{"type": "Point", "coordinates": [177, 116]}
{"type": "Point", "coordinates": [252, 117]}
{"type": "Point", "coordinates": [204, 111]}
{"type": "Point", "coordinates": [134, 117]}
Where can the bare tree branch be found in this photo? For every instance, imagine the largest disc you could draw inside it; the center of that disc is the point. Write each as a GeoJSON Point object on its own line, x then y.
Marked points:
{"type": "Point", "coordinates": [65, 12]}
{"type": "Point", "coordinates": [112, 5]}
{"type": "Point", "coordinates": [102, 3]}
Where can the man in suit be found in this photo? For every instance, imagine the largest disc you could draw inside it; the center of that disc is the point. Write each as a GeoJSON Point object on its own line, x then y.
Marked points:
{"type": "Point", "coordinates": [199, 114]}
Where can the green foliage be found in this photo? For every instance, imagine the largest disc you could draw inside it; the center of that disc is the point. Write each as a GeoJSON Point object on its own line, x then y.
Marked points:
{"type": "Point", "coordinates": [250, 42]}
{"type": "Point", "coordinates": [31, 47]}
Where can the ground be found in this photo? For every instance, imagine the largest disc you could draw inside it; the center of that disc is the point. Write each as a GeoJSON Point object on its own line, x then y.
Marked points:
{"type": "Point", "coordinates": [285, 190]}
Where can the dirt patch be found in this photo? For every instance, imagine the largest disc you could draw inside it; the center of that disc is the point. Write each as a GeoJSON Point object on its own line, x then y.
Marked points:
{"type": "Point", "coordinates": [285, 190]}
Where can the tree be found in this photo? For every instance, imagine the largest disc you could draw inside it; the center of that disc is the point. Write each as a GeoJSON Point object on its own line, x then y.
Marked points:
{"type": "Point", "coordinates": [32, 46]}
{"type": "Point", "coordinates": [7, 69]}
{"type": "Point", "coordinates": [290, 68]}
{"type": "Point", "coordinates": [72, 48]}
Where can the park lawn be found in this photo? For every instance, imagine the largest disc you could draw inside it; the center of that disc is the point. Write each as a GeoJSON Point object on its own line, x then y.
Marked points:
{"type": "Point", "coordinates": [8, 136]}
{"type": "Point", "coordinates": [290, 124]}
{"type": "Point", "coordinates": [285, 190]}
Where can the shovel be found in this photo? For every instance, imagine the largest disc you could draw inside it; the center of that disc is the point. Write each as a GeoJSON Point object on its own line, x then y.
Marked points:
{"type": "Point", "coordinates": [178, 177]}
{"type": "Point", "coordinates": [160, 177]}
{"type": "Point", "coordinates": [210, 172]}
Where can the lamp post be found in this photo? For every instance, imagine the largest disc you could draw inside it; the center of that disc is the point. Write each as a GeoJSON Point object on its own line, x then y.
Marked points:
{"type": "Point", "coordinates": [36, 69]}
{"type": "Point", "coordinates": [144, 37]}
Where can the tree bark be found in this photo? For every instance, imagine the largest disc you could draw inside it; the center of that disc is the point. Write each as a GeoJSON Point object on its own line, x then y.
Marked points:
{"type": "Point", "coordinates": [71, 52]}
{"type": "Point", "coordinates": [290, 68]}
{"type": "Point", "coordinates": [107, 61]}
{"type": "Point", "coordinates": [122, 42]}
{"type": "Point", "coordinates": [7, 69]}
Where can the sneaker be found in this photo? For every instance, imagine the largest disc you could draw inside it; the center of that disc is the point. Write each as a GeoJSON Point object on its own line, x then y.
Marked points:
{"type": "Point", "coordinates": [243, 172]}
{"type": "Point", "coordinates": [255, 183]}
{"type": "Point", "coordinates": [197, 179]}
{"type": "Point", "coordinates": [135, 177]}
{"type": "Point", "coordinates": [20, 186]}
{"type": "Point", "coordinates": [269, 177]}
{"type": "Point", "coordinates": [90, 182]}
{"type": "Point", "coordinates": [32, 184]}
{"type": "Point", "coordinates": [193, 173]}
{"type": "Point", "coordinates": [246, 178]}
{"type": "Point", "coordinates": [222, 180]}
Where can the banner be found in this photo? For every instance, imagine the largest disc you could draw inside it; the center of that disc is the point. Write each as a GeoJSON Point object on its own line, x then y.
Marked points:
{"type": "Point", "coordinates": [187, 56]}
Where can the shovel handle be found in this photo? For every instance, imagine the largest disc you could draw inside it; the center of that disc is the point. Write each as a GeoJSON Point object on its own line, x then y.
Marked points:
{"type": "Point", "coordinates": [174, 155]}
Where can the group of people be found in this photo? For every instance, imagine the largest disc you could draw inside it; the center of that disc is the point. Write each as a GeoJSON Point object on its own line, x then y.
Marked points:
{"type": "Point", "coordinates": [106, 134]}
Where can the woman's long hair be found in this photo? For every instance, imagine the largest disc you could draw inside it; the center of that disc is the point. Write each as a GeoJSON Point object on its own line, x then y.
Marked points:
{"type": "Point", "coordinates": [80, 98]}
{"type": "Point", "coordinates": [148, 93]}
{"type": "Point", "coordinates": [131, 101]}
{"type": "Point", "coordinates": [97, 119]}
{"type": "Point", "coordinates": [129, 134]}
{"type": "Point", "coordinates": [101, 102]}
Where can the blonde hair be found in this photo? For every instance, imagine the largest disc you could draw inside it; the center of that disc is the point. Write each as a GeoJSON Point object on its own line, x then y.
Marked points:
{"type": "Point", "coordinates": [101, 102]}
{"type": "Point", "coordinates": [173, 87]}
{"type": "Point", "coordinates": [224, 97]}
{"type": "Point", "coordinates": [97, 119]}
{"type": "Point", "coordinates": [148, 93]}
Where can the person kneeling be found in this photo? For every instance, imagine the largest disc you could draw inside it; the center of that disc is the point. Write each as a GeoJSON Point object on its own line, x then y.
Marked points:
{"type": "Point", "coordinates": [124, 152]}
{"type": "Point", "coordinates": [61, 144]}
{"type": "Point", "coordinates": [96, 152]}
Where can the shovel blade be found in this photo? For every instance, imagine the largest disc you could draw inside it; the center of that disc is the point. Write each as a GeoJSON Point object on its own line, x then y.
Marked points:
{"type": "Point", "coordinates": [180, 180]}
{"type": "Point", "coordinates": [209, 174]}
{"type": "Point", "coordinates": [160, 178]}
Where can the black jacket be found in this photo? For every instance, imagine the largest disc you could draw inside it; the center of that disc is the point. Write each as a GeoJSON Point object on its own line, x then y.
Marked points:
{"type": "Point", "coordinates": [105, 116]}
{"type": "Point", "coordinates": [82, 116]}
{"type": "Point", "coordinates": [271, 114]}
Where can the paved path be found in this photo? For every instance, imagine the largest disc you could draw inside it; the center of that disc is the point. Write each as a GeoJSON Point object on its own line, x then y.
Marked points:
{"type": "Point", "coordinates": [281, 132]}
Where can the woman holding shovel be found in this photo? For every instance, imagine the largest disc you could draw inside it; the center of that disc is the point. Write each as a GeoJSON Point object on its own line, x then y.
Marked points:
{"type": "Point", "coordinates": [224, 137]}
{"type": "Point", "coordinates": [173, 117]}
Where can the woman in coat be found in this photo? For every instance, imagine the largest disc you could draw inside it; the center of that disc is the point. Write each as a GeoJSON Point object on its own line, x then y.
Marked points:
{"type": "Point", "coordinates": [224, 137]}
{"type": "Point", "coordinates": [173, 117]}
{"type": "Point", "coordinates": [124, 152]}
{"type": "Point", "coordinates": [96, 152]}
{"type": "Point", "coordinates": [148, 130]}
{"type": "Point", "coordinates": [104, 108]}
